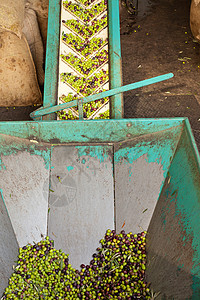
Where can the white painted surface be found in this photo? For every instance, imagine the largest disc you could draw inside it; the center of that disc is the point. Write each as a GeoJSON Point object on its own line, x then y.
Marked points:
{"type": "Point", "coordinates": [137, 188]}
{"type": "Point", "coordinates": [82, 202]}
{"type": "Point", "coordinates": [25, 184]}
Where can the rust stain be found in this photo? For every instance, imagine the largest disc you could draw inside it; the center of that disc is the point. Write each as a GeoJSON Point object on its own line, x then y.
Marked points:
{"type": "Point", "coordinates": [124, 224]}
{"type": "Point", "coordinates": [54, 234]}
{"type": "Point", "coordinates": [117, 54]}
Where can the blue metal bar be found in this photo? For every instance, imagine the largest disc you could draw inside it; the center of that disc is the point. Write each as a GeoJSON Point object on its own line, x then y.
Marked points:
{"type": "Point", "coordinates": [52, 57]}
{"type": "Point", "coordinates": [116, 101]}
{"type": "Point", "coordinates": [125, 88]}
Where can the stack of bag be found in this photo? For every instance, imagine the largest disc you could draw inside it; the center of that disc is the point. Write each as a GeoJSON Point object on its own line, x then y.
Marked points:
{"type": "Point", "coordinates": [41, 9]}
{"type": "Point", "coordinates": [22, 51]}
{"type": "Point", "coordinates": [195, 18]}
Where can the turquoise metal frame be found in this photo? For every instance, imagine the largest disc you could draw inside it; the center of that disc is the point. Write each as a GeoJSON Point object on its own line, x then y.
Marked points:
{"type": "Point", "coordinates": [116, 101]}
{"type": "Point", "coordinates": [52, 57]}
{"type": "Point", "coordinates": [89, 131]}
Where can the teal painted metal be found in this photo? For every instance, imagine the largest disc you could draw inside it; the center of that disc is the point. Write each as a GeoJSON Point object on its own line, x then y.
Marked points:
{"type": "Point", "coordinates": [11, 145]}
{"type": "Point", "coordinates": [52, 56]}
{"type": "Point", "coordinates": [119, 90]}
{"type": "Point", "coordinates": [166, 140]}
{"type": "Point", "coordinates": [141, 166]}
{"type": "Point", "coordinates": [175, 226]}
{"type": "Point", "coordinates": [116, 103]}
{"type": "Point", "coordinates": [192, 141]}
{"type": "Point", "coordinates": [184, 189]}
{"type": "Point", "coordinates": [89, 131]}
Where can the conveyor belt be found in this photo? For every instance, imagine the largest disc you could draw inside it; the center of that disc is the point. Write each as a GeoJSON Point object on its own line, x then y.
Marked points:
{"type": "Point", "coordinates": [83, 61]}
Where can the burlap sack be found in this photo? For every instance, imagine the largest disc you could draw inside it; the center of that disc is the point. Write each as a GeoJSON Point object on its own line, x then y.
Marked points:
{"type": "Point", "coordinates": [41, 8]}
{"type": "Point", "coordinates": [12, 15]}
{"type": "Point", "coordinates": [195, 18]}
{"type": "Point", "coordinates": [32, 33]}
{"type": "Point", "coordinates": [18, 81]}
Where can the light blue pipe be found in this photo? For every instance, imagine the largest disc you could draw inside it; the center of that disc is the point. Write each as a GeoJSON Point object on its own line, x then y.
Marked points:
{"type": "Point", "coordinates": [49, 110]}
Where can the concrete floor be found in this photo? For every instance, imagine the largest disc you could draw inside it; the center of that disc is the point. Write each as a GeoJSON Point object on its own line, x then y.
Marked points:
{"type": "Point", "coordinates": [155, 42]}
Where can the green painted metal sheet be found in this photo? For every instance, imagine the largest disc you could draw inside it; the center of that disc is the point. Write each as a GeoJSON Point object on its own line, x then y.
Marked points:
{"type": "Point", "coordinates": [87, 131]}
{"type": "Point", "coordinates": [52, 55]}
{"type": "Point", "coordinates": [174, 243]}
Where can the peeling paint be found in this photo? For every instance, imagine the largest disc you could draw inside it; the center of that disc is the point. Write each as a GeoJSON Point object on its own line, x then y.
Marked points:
{"type": "Point", "coordinates": [186, 177]}
{"type": "Point", "coordinates": [178, 210]}
{"type": "Point", "coordinates": [69, 168]}
{"type": "Point", "coordinates": [98, 152]}
{"type": "Point", "coordinates": [2, 166]}
{"type": "Point", "coordinates": [158, 148]}
{"type": "Point", "coordinates": [87, 131]}
{"type": "Point", "coordinates": [45, 154]}
{"type": "Point", "coordinates": [154, 153]}
{"type": "Point", "coordinates": [11, 145]}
